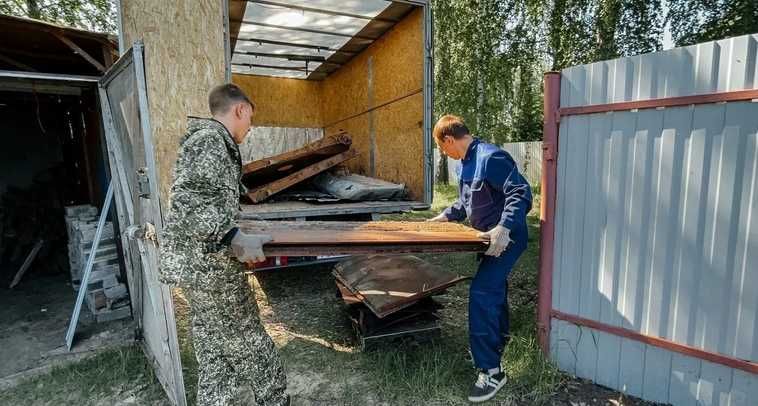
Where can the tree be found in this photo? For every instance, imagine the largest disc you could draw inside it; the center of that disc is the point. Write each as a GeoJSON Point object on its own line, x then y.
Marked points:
{"type": "Point", "coordinates": [694, 21]}
{"type": "Point", "coordinates": [92, 15]}
{"type": "Point", "coordinates": [607, 19]}
{"type": "Point", "coordinates": [640, 29]}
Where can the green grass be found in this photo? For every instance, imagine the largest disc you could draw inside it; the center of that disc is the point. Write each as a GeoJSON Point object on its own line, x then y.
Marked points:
{"type": "Point", "coordinates": [441, 373]}
{"type": "Point", "coordinates": [305, 319]}
{"type": "Point", "coordinates": [105, 378]}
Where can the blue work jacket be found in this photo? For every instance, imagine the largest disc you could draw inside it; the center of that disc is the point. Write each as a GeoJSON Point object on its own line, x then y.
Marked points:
{"type": "Point", "coordinates": [491, 190]}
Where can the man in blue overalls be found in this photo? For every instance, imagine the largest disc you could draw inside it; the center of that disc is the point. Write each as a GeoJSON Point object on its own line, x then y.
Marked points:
{"type": "Point", "coordinates": [495, 198]}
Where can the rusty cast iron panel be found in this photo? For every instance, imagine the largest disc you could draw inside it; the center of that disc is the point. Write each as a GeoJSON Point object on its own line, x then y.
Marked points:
{"type": "Point", "coordinates": [344, 237]}
{"type": "Point", "coordinates": [388, 283]}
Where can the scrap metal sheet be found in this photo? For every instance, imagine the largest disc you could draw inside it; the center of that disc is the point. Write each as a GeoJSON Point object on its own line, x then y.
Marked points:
{"type": "Point", "coordinates": [389, 283]}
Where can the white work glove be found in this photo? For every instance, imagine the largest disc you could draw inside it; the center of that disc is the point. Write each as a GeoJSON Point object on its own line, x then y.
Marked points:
{"type": "Point", "coordinates": [249, 247]}
{"type": "Point", "coordinates": [499, 238]}
{"type": "Point", "coordinates": [442, 218]}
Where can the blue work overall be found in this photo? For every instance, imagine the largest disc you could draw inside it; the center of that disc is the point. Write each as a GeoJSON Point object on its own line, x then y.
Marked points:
{"type": "Point", "coordinates": [491, 192]}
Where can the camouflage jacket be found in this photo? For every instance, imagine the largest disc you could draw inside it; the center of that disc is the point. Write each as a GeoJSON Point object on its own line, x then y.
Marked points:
{"type": "Point", "coordinates": [203, 202]}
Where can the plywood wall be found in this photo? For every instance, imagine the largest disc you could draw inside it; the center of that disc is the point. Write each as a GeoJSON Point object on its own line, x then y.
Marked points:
{"type": "Point", "coordinates": [282, 102]}
{"type": "Point", "coordinates": [184, 58]}
{"type": "Point", "coordinates": [390, 104]}
{"type": "Point", "coordinates": [396, 65]}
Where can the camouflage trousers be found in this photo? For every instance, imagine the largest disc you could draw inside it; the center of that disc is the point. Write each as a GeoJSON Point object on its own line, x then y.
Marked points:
{"type": "Point", "coordinates": [237, 361]}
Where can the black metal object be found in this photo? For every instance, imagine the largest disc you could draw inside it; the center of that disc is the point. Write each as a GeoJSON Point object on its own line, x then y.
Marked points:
{"type": "Point", "coordinates": [389, 283]}
{"type": "Point", "coordinates": [385, 318]}
{"type": "Point", "coordinates": [417, 324]}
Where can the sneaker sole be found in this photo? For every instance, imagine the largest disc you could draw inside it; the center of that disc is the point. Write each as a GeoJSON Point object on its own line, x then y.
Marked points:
{"type": "Point", "coordinates": [479, 399]}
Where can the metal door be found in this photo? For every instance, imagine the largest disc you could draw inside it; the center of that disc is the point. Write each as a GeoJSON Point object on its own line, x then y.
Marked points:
{"type": "Point", "coordinates": [123, 99]}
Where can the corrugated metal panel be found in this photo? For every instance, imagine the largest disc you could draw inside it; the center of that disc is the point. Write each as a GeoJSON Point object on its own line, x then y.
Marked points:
{"type": "Point", "coordinates": [528, 156]}
{"type": "Point", "coordinates": [709, 67]}
{"type": "Point", "coordinates": [657, 220]}
{"type": "Point", "coordinates": [650, 372]}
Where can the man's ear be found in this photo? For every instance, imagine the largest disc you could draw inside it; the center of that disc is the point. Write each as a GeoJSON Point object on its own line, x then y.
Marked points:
{"type": "Point", "coordinates": [239, 110]}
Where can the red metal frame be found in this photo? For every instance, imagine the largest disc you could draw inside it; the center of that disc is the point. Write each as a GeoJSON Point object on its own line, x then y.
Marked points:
{"type": "Point", "coordinates": [547, 206]}
{"type": "Point", "coordinates": [747, 366]}
{"type": "Point", "coordinates": [545, 311]}
{"type": "Point", "coordinates": [737, 95]}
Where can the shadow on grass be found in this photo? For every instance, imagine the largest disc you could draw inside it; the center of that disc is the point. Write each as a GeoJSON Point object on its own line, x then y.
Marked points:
{"type": "Point", "coordinates": [106, 378]}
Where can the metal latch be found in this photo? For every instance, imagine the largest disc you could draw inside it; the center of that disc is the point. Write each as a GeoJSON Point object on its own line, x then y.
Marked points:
{"type": "Point", "coordinates": [144, 232]}
{"type": "Point", "coordinates": [143, 183]}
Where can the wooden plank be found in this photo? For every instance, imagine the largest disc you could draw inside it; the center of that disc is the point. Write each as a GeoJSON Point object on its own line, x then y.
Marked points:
{"type": "Point", "coordinates": [368, 249]}
{"type": "Point", "coordinates": [342, 237]}
{"type": "Point", "coordinates": [286, 210]}
{"type": "Point", "coordinates": [94, 62]}
{"type": "Point", "coordinates": [27, 263]}
{"type": "Point", "coordinates": [326, 146]}
{"type": "Point", "coordinates": [16, 63]}
{"type": "Point", "coordinates": [361, 232]}
{"type": "Point", "coordinates": [265, 191]}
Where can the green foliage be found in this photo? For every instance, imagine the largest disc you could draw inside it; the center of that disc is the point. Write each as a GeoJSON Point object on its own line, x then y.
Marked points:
{"type": "Point", "coordinates": [490, 54]}
{"type": "Point", "coordinates": [92, 15]}
{"type": "Point", "coordinates": [694, 21]}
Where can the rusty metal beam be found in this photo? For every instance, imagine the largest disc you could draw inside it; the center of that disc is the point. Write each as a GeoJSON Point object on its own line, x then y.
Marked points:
{"type": "Point", "coordinates": [744, 365]}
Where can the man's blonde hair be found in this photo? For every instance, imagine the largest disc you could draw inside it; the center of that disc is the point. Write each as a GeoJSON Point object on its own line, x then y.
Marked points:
{"type": "Point", "coordinates": [450, 125]}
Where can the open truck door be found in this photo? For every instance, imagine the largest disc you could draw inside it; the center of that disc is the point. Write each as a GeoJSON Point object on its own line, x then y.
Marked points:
{"type": "Point", "coordinates": [129, 141]}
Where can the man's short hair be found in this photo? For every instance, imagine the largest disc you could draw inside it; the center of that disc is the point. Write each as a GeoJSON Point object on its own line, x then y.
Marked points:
{"type": "Point", "coordinates": [222, 97]}
{"type": "Point", "coordinates": [450, 125]}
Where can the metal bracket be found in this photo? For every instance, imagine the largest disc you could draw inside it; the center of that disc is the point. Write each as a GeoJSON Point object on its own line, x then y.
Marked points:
{"type": "Point", "coordinates": [143, 183]}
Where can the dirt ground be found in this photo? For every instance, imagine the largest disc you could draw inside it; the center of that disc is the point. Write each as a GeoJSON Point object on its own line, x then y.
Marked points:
{"type": "Point", "coordinates": [35, 316]}
{"type": "Point", "coordinates": [323, 360]}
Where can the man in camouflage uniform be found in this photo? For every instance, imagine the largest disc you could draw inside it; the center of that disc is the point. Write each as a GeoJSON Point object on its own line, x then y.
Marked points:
{"type": "Point", "coordinates": [202, 251]}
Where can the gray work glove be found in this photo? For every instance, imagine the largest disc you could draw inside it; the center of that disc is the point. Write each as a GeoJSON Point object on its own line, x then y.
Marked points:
{"type": "Point", "coordinates": [249, 247]}
{"type": "Point", "coordinates": [499, 238]}
{"type": "Point", "coordinates": [442, 218]}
